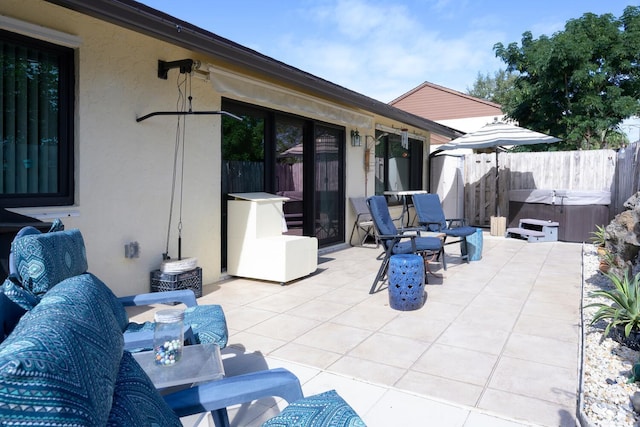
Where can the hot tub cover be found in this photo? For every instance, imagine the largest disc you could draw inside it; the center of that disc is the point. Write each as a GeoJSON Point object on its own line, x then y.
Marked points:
{"type": "Point", "coordinates": [561, 197]}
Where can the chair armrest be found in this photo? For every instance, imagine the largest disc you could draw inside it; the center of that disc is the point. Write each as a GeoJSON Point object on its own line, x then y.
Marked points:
{"type": "Point", "coordinates": [185, 296]}
{"type": "Point", "coordinates": [416, 230]}
{"type": "Point", "coordinates": [235, 390]}
{"type": "Point", "coordinates": [397, 236]}
{"type": "Point", "coordinates": [427, 225]}
{"type": "Point", "coordinates": [460, 221]}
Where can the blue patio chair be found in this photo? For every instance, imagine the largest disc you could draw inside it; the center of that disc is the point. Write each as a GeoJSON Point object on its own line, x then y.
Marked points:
{"type": "Point", "coordinates": [38, 261]}
{"type": "Point", "coordinates": [431, 216]}
{"type": "Point", "coordinates": [395, 242]}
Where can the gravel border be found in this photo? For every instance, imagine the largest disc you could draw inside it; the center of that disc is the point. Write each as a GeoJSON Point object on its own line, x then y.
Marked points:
{"type": "Point", "coordinates": [604, 398]}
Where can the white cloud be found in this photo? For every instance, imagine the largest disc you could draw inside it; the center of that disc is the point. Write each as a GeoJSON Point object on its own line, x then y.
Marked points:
{"type": "Point", "coordinates": [383, 51]}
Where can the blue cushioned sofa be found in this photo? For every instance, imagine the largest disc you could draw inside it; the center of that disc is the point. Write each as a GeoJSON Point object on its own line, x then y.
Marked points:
{"type": "Point", "coordinates": [63, 363]}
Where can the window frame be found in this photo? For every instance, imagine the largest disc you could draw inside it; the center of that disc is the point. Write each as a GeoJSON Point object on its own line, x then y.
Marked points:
{"type": "Point", "coordinates": [66, 137]}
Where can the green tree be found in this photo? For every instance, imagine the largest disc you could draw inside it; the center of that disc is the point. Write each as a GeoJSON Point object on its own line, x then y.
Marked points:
{"type": "Point", "coordinates": [496, 88]}
{"type": "Point", "coordinates": [243, 140]}
{"type": "Point", "coordinates": [580, 83]}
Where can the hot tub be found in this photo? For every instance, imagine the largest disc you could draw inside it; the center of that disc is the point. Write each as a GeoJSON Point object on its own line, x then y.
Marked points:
{"type": "Point", "coordinates": [577, 211]}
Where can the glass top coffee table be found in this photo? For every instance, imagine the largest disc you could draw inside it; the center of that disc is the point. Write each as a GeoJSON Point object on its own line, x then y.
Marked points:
{"type": "Point", "coordinates": [199, 363]}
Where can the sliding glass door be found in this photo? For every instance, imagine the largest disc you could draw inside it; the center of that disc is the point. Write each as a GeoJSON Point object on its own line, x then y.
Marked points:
{"type": "Point", "coordinates": [292, 156]}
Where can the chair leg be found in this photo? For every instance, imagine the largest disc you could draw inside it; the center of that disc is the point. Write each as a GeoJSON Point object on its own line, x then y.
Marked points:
{"type": "Point", "coordinates": [463, 249]}
{"type": "Point", "coordinates": [220, 417]}
{"type": "Point", "coordinates": [381, 273]}
{"type": "Point", "coordinates": [444, 259]}
{"type": "Point", "coordinates": [355, 224]}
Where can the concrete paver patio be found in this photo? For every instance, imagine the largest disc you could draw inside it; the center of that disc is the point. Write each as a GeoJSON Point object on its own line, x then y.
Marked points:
{"type": "Point", "coordinates": [495, 344]}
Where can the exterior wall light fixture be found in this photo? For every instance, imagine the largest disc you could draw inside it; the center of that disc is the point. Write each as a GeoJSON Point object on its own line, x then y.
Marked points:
{"type": "Point", "coordinates": [355, 138]}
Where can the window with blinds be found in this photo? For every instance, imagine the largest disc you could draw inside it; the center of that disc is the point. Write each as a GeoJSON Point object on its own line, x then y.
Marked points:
{"type": "Point", "coordinates": [36, 122]}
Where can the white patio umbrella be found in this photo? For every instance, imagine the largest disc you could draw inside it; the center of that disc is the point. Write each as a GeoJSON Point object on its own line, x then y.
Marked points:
{"type": "Point", "coordinates": [495, 135]}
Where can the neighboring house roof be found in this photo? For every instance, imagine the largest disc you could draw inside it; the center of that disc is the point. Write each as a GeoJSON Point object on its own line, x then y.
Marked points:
{"type": "Point", "coordinates": [141, 18]}
{"type": "Point", "coordinates": [440, 103]}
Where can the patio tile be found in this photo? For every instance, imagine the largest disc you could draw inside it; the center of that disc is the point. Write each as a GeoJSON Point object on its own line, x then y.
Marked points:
{"type": "Point", "coordinates": [306, 290]}
{"type": "Point", "coordinates": [508, 289]}
{"type": "Point", "coordinates": [451, 295]}
{"type": "Point", "coordinates": [345, 296]}
{"type": "Point", "coordinates": [437, 310]}
{"type": "Point", "coordinates": [284, 327]}
{"type": "Point", "coordinates": [548, 327]}
{"type": "Point", "coordinates": [475, 336]}
{"type": "Point", "coordinates": [477, 419]}
{"type": "Point", "coordinates": [334, 337]}
{"type": "Point", "coordinates": [254, 342]}
{"type": "Point", "coordinates": [559, 293]}
{"type": "Point", "coordinates": [557, 310]}
{"type": "Point", "coordinates": [483, 319]}
{"type": "Point", "coordinates": [552, 384]}
{"type": "Point", "coordinates": [319, 310]}
{"type": "Point", "coordinates": [360, 368]}
{"type": "Point", "coordinates": [306, 355]}
{"type": "Point", "coordinates": [547, 350]}
{"type": "Point", "coordinates": [238, 361]}
{"type": "Point", "coordinates": [389, 350]}
{"type": "Point", "coordinates": [530, 409]}
{"type": "Point", "coordinates": [366, 317]}
{"type": "Point", "coordinates": [280, 302]}
{"type": "Point", "coordinates": [240, 318]}
{"type": "Point", "coordinates": [421, 328]}
{"type": "Point", "coordinates": [456, 363]}
{"type": "Point", "coordinates": [442, 388]}
{"type": "Point", "coordinates": [397, 409]}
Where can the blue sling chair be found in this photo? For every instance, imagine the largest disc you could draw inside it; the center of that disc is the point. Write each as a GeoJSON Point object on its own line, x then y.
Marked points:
{"type": "Point", "coordinates": [395, 242]}
{"type": "Point", "coordinates": [431, 216]}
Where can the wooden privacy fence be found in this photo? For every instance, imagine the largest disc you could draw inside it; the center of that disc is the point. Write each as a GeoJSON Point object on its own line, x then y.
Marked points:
{"type": "Point", "coordinates": [593, 170]}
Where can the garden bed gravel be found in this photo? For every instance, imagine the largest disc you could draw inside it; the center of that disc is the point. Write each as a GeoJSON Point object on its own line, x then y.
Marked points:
{"type": "Point", "coordinates": [605, 394]}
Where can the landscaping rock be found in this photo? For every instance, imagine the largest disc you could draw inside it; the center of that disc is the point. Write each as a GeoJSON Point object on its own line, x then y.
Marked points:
{"type": "Point", "coordinates": [623, 234]}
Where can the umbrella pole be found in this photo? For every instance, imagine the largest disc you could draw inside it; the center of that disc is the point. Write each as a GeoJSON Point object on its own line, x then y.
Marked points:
{"type": "Point", "coordinates": [497, 186]}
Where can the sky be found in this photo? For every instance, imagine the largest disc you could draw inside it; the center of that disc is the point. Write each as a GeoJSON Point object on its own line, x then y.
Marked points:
{"type": "Point", "coordinates": [385, 48]}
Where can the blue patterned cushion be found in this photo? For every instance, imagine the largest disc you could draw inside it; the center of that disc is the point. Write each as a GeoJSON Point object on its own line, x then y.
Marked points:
{"type": "Point", "coordinates": [59, 366]}
{"type": "Point", "coordinates": [325, 409]}
{"type": "Point", "coordinates": [43, 260]}
{"type": "Point", "coordinates": [20, 296]}
{"type": "Point", "coordinates": [136, 402]}
{"type": "Point", "coordinates": [208, 324]}
{"type": "Point", "coordinates": [106, 295]}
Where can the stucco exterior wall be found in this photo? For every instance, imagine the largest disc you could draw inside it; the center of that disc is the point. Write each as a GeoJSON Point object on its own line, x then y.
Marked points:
{"type": "Point", "coordinates": [124, 169]}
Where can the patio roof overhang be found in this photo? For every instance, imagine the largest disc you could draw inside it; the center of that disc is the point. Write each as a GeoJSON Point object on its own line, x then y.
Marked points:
{"type": "Point", "coordinates": [154, 23]}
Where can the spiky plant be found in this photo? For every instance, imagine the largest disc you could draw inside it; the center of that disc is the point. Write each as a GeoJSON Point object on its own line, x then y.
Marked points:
{"type": "Point", "coordinates": [623, 306]}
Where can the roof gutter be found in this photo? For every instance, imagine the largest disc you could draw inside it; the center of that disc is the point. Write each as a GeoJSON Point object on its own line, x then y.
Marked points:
{"type": "Point", "coordinates": [154, 23]}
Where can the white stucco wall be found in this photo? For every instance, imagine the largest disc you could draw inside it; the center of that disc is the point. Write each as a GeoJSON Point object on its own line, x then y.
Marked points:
{"type": "Point", "coordinates": [124, 168]}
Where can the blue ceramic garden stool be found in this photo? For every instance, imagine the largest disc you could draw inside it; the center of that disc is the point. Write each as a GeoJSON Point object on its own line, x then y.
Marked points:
{"type": "Point", "coordinates": [406, 282]}
{"type": "Point", "coordinates": [473, 246]}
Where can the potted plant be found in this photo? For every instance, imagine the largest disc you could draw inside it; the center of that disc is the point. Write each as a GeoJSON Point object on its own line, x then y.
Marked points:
{"type": "Point", "coordinates": [607, 260]}
{"type": "Point", "coordinates": [621, 310]}
{"type": "Point", "coordinates": [598, 238]}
